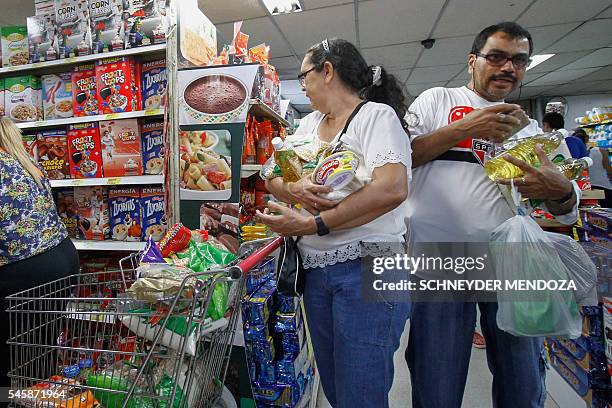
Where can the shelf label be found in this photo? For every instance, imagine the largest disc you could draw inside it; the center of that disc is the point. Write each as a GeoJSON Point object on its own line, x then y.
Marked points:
{"type": "Point", "coordinates": [70, 60]}
{"type": "Point", "coordinates": [77, 182]}
{"type": "Point", "coordinates": [39, 123]}
{"type": "Point", "coordinates": [111, 116]}
{"type": "Point", "coordinates": [11, 68]}
{"type": "Point", "coordinates": [114, 181]}
{"type": "Point", "coordinates": [37, 65]}
{"type": "Point", "coordinates": [152, 112]}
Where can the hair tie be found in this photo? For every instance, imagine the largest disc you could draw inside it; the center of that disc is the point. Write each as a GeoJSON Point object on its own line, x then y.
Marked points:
{"type": "Point", "coordinates": [325, 44]}
{"type": "Point", "coordinates": [376, 75]}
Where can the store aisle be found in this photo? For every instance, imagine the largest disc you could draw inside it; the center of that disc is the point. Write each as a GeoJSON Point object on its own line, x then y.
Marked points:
{"type": "Point", "coordinates": [477, 391]}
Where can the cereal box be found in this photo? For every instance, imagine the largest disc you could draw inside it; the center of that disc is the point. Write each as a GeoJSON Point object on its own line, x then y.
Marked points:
{"type": "Point", "coordinates": [107, 28]}
{"type": "Point", "coordinates": [30, 142]}
{"type": "Point", "coordinates": [154, 84]}
{"type": "Point", "coordinates": [66, 209]}
{"type": "Point", "coordinates": [118, 85]}
{"type": "Point", "coordinates": [2, 97]}
{"type": "Point", "coordinates": [121, 150]}
{"type": "Point", "coordinates": [53, 154]}
{"type": "Point", "coordinates": [22, 98]}
{"type": "Point", "coordinates": [57, 96]}
{"type": "Point", "coordinates": [153, 147]}
{"type": "Point", "coordinates": [146, 23]}
{"type": "Point", "coordinates": [74, 35]}
{"type": "Point", "coordinates": [92, 212]}
{"type": "Point", "coordinates": [84, 149]}
{"type": "Point", "coordinates": [84, 99]}
{"type": "Point", "coordinates": [153, 208]}
{"type": "Point", "coordinates": [124, 206]}
{"type": "Point", "coordinates": [42, 38]}
{"type": "Point", "coordinates": [14, 46]}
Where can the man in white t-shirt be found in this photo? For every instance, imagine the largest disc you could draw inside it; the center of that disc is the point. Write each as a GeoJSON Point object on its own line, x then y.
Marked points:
{"type": "Point", "coordinates": [452, 200]}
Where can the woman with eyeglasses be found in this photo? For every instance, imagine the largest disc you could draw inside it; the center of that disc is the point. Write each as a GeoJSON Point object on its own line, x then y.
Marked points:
{"type": "Point", "coordinates": [354, 336]}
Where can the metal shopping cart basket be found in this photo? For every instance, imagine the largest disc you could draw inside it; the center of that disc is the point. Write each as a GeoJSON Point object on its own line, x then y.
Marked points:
{"type": "Point", "coordinates": [86, 341]}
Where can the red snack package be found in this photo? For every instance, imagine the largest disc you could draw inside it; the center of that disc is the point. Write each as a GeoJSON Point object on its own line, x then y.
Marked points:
{"type": "Point", "coordinates": [85, 151]}
{"type": "Point", "coordinates": [175, 240]}
{"type": "Point", "coordinates": [84, 102]}
{"type": "Point", "coordinates": [118, 85]}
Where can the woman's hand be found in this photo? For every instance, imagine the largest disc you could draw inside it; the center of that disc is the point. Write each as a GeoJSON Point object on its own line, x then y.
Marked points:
{"type": "Point", "coordinates": [306, 192]}
{"type": "Point", "coordinates": [289, 223]}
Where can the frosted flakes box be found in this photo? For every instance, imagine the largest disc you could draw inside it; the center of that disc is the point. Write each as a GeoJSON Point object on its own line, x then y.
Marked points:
{"type": "Point", "coordinates": [42, 38]}
{"type": "Point", "coordinates": [14, 46]}
{"type": "Point", "coordinates": [153, 209]}
{"type": "Point", "coordinates": [118, 85]}
{"type": "Point", "coordinates": [84, 95]}
{"type": "Point", "coordinates": [53, 154]}
{"type": "Point", "coordinates": [57, 96]}
{"type": "Point", "coordinates": [154, 84]}
{"type": "Point", "coordinates": [121, 149]}
{"type": "Point", "coordinates": [92, 212]}
{"type": "Point", "coordinates": [153, 147]}
{"type": "Point", "coordinates": [106, 22]}
{"type": "Point", "coordinates": [84, 150]}
{"type": "Point", "coordinates": [124, 207]}
{"type": "Point", "coordinates": [22, 98]}
{"type": "Point", "coordinates": [74, 35]}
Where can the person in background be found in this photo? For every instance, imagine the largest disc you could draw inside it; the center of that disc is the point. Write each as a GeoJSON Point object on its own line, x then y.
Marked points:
{"type": "Point", "coordinates": [453, 200]}
{"type": "Point", "coordinates": [354, 338]}
{"type": "Point", "coordinates": [34, 243]}
{"type": "Point", "coordinates": [600, 173]}
{"type": "Point", "coordinates": [577, 143]}
{"type": "Point", "coordinates": [554, 121]}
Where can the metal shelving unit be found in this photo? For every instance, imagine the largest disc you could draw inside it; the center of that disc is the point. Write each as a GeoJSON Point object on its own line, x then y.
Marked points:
{"type": "Point", "coordinates": [109, 181]}
{"type": "Point", "coordinates": [88, 119]}
{"type": "Point", "coordinates": [108, 245]}
{"type": "Point", "coordinates": [259, 108]}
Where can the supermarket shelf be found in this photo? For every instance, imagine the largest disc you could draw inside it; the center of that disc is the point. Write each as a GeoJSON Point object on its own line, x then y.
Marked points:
{"type": "Point", "coordinates": [108, 245]}
{"type": "Point", "coordinates": [88, 119]}
{"type": "Point", "coordinates": [605, 122]}
{"type": "Point", "coordinates": [593, 195]}
{"type": "Point", "coordinates": [109, 181]}
{"type": "Point", "coordinates": [561, 392]}
{"type": "Point", "coordinates": [249, 169]}
{"type": "Point", "coordinates": [260, 108]}
{"type": "Point", "coordinates": [548, 223]}
{"type": "Point", "coordinates": [67, 62]}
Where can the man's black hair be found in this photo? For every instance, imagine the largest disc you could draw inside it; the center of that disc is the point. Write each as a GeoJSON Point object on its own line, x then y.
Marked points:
{"type": "Point", "coordinates": [511, 29]}
{"type": "Point", "coordinates": [554, 120]}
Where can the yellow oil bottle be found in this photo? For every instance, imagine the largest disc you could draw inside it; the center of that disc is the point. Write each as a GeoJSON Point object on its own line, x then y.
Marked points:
{"type": "Point", "coordinates": [287, 160]}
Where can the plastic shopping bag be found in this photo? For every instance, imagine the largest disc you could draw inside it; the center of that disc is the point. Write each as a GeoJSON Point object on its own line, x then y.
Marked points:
{"type": "Point", "coordinates": [523, 252]}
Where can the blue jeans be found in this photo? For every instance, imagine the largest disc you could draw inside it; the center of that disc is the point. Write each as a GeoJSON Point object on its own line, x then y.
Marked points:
{"type": "Point", "coordinates": [353, 339]}
{"type": "Point", "coordinates": [439, 350]}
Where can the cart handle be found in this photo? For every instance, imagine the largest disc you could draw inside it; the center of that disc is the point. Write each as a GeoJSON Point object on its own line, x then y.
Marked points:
{"type": "Point", "coordinates": [244, 266]}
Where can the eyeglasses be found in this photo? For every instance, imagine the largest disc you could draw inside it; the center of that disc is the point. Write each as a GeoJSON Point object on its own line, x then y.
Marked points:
{"type": "Point", "coordinates": [302, 77]}
{"type": "Point", "coordinates": [520, 61]}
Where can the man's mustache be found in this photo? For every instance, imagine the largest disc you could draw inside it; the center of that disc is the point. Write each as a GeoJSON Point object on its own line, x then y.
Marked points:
{"type": "Point", "coordinates": [503, 76]}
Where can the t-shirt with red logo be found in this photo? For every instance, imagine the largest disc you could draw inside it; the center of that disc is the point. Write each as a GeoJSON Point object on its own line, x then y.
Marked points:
{"type": "Point", "coordinates": [451, 197]}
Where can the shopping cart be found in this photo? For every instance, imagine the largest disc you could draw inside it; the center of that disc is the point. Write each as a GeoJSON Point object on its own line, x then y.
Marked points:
{"type": "Point", "coordinates": [85, 340]}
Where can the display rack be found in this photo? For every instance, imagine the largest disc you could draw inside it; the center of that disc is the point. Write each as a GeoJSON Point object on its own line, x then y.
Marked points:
{"type": "Point", "coordinates": [88, 119]}
{"type": "Point", "coordinates": [90, 245]}
{"type": "Point", "coordinates": [109, 181]}
{"type": "Point", "coordinates": [605, 122]}
{"type": "Point", "coordinates": [258, 108]}
{"type": "Point", "coordinates": [250, 169]}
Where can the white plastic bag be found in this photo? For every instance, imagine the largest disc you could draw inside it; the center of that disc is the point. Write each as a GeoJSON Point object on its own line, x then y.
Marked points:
{"type": "Point", "coordinates": [522, 251]}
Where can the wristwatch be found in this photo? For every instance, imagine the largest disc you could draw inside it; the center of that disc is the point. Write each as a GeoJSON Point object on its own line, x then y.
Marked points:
{"type": "Point", "coordinates": [565, 198]}
{"type": "Point", "coordinates": [321, 227]}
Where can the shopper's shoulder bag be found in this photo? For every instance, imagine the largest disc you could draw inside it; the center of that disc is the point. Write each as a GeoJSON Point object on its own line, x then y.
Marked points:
{"type": "Point", "coordinates": [291, 277]}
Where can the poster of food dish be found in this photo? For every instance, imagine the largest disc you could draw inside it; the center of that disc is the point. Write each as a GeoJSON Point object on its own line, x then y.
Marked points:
{"type": "Point", "coordinates": [215, 95]}
{"type": "Point", "coordinates": [197, 36]}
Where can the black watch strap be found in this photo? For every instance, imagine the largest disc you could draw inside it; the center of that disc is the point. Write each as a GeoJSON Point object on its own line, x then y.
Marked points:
{"type": "Point", "coordinates": [321, 227]}
{"type": "Point", "coordinates": [565, 198]}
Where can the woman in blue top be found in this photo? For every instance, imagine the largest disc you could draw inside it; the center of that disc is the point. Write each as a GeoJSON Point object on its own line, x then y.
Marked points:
{"type": "Point", "coordinates": [34, 243]}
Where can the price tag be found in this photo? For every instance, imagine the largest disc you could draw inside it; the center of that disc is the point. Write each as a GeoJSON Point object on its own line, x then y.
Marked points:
{"type": "Point", "coordinates": [39, 123]}
{"type": "Point", "coordinates": [152, 112]}
{"type": "Point", "coordinates": [11, 68]}
{"type": "Point", "coordinates": [112, 116]}
{"type": "Point", "coordinates": [37, 65]}
{"type": "Point", "coordinates": [114, 181]}
{"type": "Point", "coordinates": [77, 182]}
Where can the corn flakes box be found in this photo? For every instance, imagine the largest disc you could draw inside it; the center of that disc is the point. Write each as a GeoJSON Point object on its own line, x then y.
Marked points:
{"type": "Point", "coordinates": [118, 85]}
{"type": "Point", "coordinates": [106, 25]}
{"type": "Point", "coordinates": [85, 152]}
{"type": "Point", "coordinates": [84, 95]}
{"type": "Point", "coordinates": [121, 148]}
{"type": "Point", "coordinates": [15, 49]}
{"type": "Point", "coordinates": [153, 209]}
{"type": "Point", "coordinates": [57, 96]}
{"type": "Point", "coordinates": [74, 35]}
{"type": "Point", "coordinates": [92, 212]}
{"type": "Point", "coordinates": [42, 38]}
{"type": "Point", "coordinates": [146, 23]}
{"type": "Point", "coordinates": [153, 147]}
{"type": "Point", "coordinates": [124, 206]}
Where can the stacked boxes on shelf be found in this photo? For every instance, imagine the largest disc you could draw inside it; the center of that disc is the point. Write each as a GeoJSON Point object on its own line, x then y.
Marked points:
{"type": "Point", "coordinates": [607, 312]}
{"type": "Point", "coordinates": [280, 366]}
{"type": "Point", "coordinates": [596, 227]}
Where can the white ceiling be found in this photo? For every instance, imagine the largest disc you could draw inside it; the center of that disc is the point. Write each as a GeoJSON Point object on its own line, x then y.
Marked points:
{"type": "Point", "coordinates": [389, 33]}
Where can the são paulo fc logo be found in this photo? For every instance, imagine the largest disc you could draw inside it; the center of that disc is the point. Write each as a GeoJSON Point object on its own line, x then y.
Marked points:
{"type": "Point", "coordinates": [480, 148]}
{"type": "Point", "coordinates": [458, 113]}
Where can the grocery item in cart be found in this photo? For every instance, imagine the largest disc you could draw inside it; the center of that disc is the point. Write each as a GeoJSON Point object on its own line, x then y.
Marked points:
{"type": "Point", "coordinates": [121, 149]}
{"type": "Point", "coordinates": [74, 35]}
{"type": "Point", "coordinates": [107, 28]}
{"type": "Point", "coordinates": [92, 212]}
{"type": "Point", "coordinates": [30, 142]}
{"type": "Point", "coordinates": [22, 98]}
{"type": "Point", "coordinates": [257, 306]}
{"type": "Point", "coordinates": [176, 239]}
{"type": "Point", "coordinates": [154, 84]}
{"type": "Point", "coordinates": [84, 149]}
{"type": "Point", "coordinates": [84, 95]}
{"type": "Point", "coordinates": [14, 46]}
{"type": "Point", "coordinates": [53, 154]}
{"type": "Point", "coordinates": [42, 38]}
{"type": "Point", "coordinates": [118, 85]}
{"type": "Point", "coordinates": [67, 210]}
{"type": "Point", "coordinates": [153, 205]}
{"type": "Point", "coordinates": [57, 96]}
{"type": "Point", "coordinates": [146, 23]}
{"type": "Point", "coordinates": [153, 147]}
{"type": "Point", "coordinates": [124, 207]}
{"type": "Point", "coordinates": [58, 392]}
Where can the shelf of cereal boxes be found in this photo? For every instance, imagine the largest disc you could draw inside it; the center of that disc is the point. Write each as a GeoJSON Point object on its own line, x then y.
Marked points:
{"type": "Point", "coordinates": [88, 119]}
{"type": "Point", "coordinates": [43, 66]}
{"type": "Point", "coordinates": [91, 245]}
{"type": "Point", "coordinates": [110, 181]}
{"type": "Point", "coordinates": [259, 108]}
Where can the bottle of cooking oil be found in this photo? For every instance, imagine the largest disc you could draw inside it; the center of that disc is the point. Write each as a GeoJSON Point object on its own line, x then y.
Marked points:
{"type": "Point", "coordinates": [498, 168]}
{"type": "Point", "coordinates": [572, 168]}
{"type": "Point", "coordinates": [287, 160]}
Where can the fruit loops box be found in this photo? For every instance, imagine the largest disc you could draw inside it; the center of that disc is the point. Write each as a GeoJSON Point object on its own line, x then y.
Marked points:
{"type": "Point", "coordinates": [84, 95]}
{"type": "Point", "coordinates": [107, 28]}
{"type": "Point", "coordinates": [153, 147]}
{"type": "Point", "coordinates": [66, 209]}
{"type": "Point", "coordinates": [124, 206]}
{"type": "Point", "coordinates": [153, 207]}
{"type": "Point", "coordinates": [121, 150]}
{"type": "Point", "coordinates": [57, 96]}
{"type": "Point", "coordinates": [118, 85]}
{"type": "Point", "coordinates": [154, 84]}
{"type": "Point", "coordinates": [85, 152]}
{"type": "Point", "coordinates": [74, 35]}
{"type": "Point", "coordinates": [92, 212]}
{"type": "Point", "coordinates": [53, 154]}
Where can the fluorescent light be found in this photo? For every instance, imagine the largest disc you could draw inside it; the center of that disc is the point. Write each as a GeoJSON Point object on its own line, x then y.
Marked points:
{"type": "Point", "coordinates": [538, 59]}
{"type": "Point", "coordinates": [276, 7]}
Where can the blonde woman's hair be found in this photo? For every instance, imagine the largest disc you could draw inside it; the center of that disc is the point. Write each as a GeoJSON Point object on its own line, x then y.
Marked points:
{"type": "Point", "coordinates": [11, 142]}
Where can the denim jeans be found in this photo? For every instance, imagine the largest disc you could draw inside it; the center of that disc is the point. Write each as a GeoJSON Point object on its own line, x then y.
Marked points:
{"type": "Point", "coordinates": [353, 339]}
{"type": "Point", "coordinates": [439, 350]}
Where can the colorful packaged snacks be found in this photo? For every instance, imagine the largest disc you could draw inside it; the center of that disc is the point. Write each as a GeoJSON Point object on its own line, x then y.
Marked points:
{"type": "Point", "coordinates": [154, 84]}
{"type": "Point", "coordinates": [57, 392]}
{"type": "Point", "coordinates": [257, 307]}
{"type": "Point", "coordinates": [289, 368]}
{"type": "Point", "coordinates": [292, 342]}
{"type": "Point", "coordinates": [258, 276]}
{"type": "Point", "coordinates": [121, 149]}
{"type": "Point", "coordinates": [57, 96]}
{"type": "Point", "coordinates": [151, 253]}
{"type": "Point", "coordinates": [85, 151]}
{"type": "Point", "coordinates": [256, 333]}
{"type": "Point", "coordinates": [74, 34]}
{"type": "Point", "coordinates": [278, 395]}
{"type": "Point", "coordinates": [118, 85]}
{"type": "Point", "coordinates": [175, 240]}
{"type": "Point", "coordinates": [124, 205]}
{"type": "Point", "coordinates": [287, 322]}
{"type": "Point", "coordinates": [266, 372]}
{"type": "Point", "coordinates": [84, 100]}
{"type": "Point", "coordinates": [153, 147]}
{"type": "Point", "coordinates": [153, 206]}
{"type": "Point", "coordinates": [261, 351]}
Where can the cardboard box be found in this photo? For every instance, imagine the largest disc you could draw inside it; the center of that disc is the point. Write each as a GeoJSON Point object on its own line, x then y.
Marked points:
{"type": "Point", "coordinates": [74, 35]}
{"type": "Point", "coordinates": [53, 154]}
{"type": "Point", "coordinates": [57, 96]}
{"type": "Point", "coordinates": [23, 98]}
{"type": "Point", "coordinates": [30, 142]}
{"type": "Point", "coordinates": [153, 211]}
{"type": "Point", "coordinates": [153, 147]}
{"type": "Point", "coordinates": [92, 212]}
{"type": "Point", "coordinates": [154, 84]}
{"type": "Point", "coordinates": [118, 85]}
{"type": "Point", "coordinates": [597, 220]}
{"type": "Point", "coordinates": [121, 149]}
{"type": "Point", "coordinates": [67, 211]}
{"type": "Point", "coordinates": [85, 152]}
{"type": "Point", "coordinates": [106, 24]}
{"type": "Point", "coordinates": [42, 38]}
{"type": "Point", "coordinates": [14, 46]}
{"type": "Point", "coordinates": [124, 206]}
{"type": "Point", "coordinates": [146, 23]}
{"type": "Point", "coordinates": [84, 93]}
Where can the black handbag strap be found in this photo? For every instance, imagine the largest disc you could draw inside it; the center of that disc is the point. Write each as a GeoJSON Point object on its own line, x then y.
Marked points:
{"type": "Point", "coordinates": [351, 117]}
